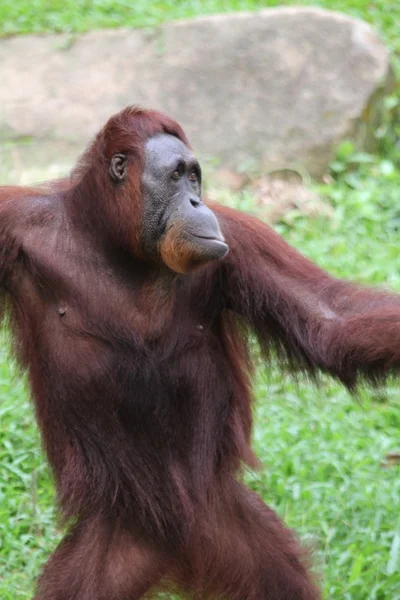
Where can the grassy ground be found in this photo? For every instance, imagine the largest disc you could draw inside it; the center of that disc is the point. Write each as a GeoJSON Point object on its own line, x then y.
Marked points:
{"type": "Point", "coordinates": [322, 451]}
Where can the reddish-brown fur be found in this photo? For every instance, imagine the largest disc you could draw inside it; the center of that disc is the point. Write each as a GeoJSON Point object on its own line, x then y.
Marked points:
{"type": "Point", "coordinates": [142, 380]}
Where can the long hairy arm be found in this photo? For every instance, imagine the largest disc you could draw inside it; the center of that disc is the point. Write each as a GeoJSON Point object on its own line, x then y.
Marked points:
{"type": "Point", "coordinates": [314, 321]}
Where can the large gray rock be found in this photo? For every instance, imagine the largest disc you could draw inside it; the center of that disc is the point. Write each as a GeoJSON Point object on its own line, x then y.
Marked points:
{"type": "Point", "coordinates": [271, 88]}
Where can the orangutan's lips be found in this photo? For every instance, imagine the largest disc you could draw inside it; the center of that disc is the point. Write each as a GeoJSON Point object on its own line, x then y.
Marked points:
{"type": "Point", "coordinates": [206, 237]}
{"type": "Point", "coordinates": [209, 237]}
{"type": "Point", "coordinates": [217, 244]}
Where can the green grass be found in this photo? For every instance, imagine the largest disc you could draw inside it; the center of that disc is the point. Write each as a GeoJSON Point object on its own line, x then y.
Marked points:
{"type": "Point", "coordinates": [321, 449]}
{"type": "Point", "coordinates": [26, 16]}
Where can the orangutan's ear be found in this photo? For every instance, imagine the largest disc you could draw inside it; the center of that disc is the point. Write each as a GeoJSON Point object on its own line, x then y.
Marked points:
{"type": "Point", "coordinates": [118, 167]}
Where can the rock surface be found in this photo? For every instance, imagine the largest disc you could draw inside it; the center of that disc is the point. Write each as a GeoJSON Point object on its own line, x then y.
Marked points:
{"type": "Point", "coordinates": [266, 90]}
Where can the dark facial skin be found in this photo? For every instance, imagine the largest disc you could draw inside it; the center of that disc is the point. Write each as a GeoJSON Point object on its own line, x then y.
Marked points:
{"type": "Point", "coordinates": [177, 226]}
